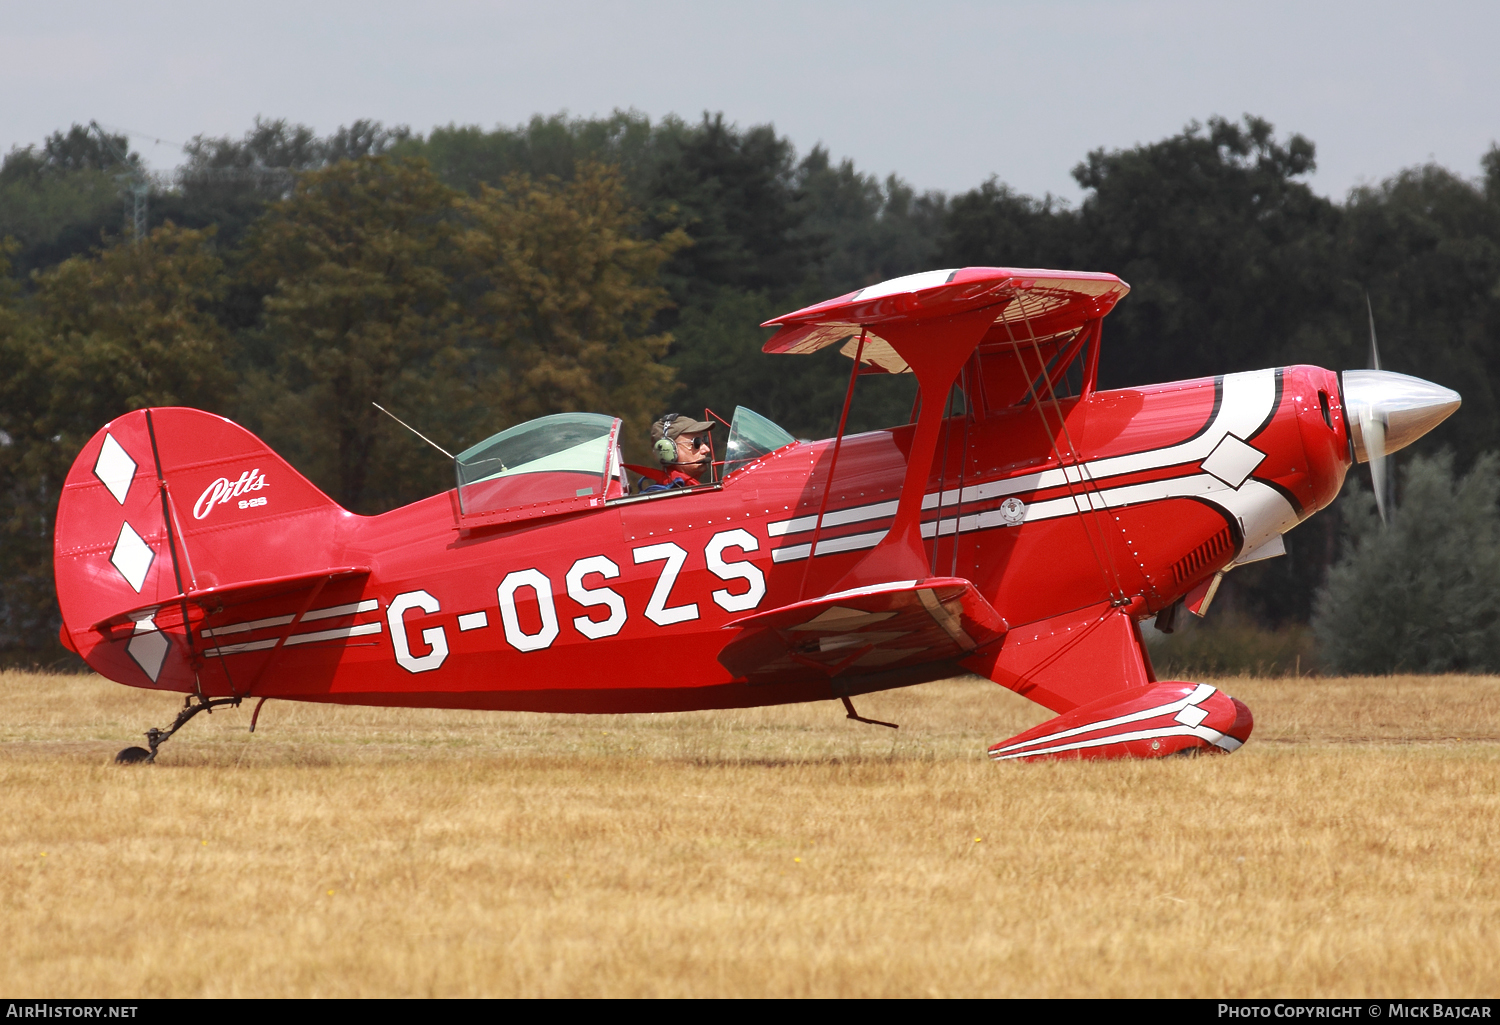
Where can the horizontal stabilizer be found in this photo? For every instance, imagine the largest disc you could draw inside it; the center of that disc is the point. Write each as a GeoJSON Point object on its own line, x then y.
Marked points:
{"type": "Point", "coordinates": [865, 630]}
{"type": "Point", "coordinates": [167, 613]}
{"type": "Point", "coordinates": [1141, 722]}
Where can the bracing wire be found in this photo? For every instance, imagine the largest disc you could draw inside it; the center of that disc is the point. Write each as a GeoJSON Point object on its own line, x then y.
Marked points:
{"type": "Point", "coordinates": [1111, 572]}
{"type": "Point", "coordinates": [1085, 476]}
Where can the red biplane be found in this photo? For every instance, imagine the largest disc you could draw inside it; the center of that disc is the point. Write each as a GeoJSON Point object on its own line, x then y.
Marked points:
{"type": "Point", "coordinates": [1021, 527]}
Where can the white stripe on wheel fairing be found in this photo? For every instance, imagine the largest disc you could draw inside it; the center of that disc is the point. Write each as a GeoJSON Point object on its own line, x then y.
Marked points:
{"type": "Point", "coordinates": [1201, 732]}
{"type": "Point", "coordinates": [1196, 696]}
{"type": "Point", "coordinates": [1049, 744]}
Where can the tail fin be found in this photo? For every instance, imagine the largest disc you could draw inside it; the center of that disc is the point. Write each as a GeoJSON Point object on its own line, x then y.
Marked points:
{"type": "Point", "coordinates": [167, 505]}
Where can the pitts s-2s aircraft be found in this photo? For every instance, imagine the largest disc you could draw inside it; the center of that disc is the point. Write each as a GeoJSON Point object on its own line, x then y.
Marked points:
{"type": "Point", "coordinates": [1022, 527]}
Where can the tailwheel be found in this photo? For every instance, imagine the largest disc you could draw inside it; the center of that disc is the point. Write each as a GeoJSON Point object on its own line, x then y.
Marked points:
{"type": "Point", "coordinates": [156, 738]}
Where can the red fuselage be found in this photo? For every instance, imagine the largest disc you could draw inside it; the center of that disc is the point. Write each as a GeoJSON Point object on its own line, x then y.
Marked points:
{"type": "Point", "coordinates": [621, 606]}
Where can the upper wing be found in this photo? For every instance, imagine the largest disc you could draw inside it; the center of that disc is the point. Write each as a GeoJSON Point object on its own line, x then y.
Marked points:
{"type": "Point", "coordinates": [1028, 304]}
{"type": "Point", "coordinates": [864, 630]}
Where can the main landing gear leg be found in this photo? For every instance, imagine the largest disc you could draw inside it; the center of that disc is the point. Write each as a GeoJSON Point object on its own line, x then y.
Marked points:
{"type": "Point", "coordinates": [156, 737]}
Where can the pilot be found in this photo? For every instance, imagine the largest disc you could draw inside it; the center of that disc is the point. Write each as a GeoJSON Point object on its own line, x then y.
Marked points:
{"type": "Point", "coordinates": [682, 447]}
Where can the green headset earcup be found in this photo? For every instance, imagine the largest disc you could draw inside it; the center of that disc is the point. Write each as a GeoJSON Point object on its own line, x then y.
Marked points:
{"type": "Point", "coordinates": [666, 451]}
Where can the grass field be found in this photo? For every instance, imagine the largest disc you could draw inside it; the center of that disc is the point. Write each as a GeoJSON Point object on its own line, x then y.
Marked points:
{"type": "Point", "coordinates": [1352, 848]}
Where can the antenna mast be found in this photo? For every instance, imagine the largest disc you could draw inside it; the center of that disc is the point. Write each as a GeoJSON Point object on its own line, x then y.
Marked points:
{"type": "Point", "coordinates": [133, 182]}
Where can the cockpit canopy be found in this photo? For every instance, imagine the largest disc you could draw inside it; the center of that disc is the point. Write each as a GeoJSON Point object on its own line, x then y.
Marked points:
{"type": "Point", "coordinates": [572, 461]}
{"type": "Point", "coordinates": [549, 465]}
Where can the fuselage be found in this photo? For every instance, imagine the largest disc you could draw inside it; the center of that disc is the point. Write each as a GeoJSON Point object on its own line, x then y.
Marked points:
{"type": "Point", "coordinates": [1141, 493]}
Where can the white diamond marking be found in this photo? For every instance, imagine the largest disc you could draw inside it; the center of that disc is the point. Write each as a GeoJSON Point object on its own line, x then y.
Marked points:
{"type": "Point", "coordinates": [114, 468]}
{"type": "Point", "coordinates": [149, 647]}
{"type": "Point", "coordinates": [132, 557]}
{"type": "Point", "coordinates": [1192, 715]}
{"type": "Point", "coordinates": [1232, 460]}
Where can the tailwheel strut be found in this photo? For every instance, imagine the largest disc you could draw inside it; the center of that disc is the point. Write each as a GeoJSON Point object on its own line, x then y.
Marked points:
{"type": "Point", "coordinates": [849, 707]}
{"type": "Point", "coordinates": [156, 737]}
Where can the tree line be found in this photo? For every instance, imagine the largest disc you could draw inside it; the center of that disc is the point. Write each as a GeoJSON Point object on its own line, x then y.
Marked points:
{"type": "Point", "coordinates": [470, 279]}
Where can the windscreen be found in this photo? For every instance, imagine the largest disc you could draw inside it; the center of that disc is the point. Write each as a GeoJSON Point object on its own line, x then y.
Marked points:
{"type": "Point", "coordinates": [554, 459]}
{"type": "Point", "coordinates": [750, 437]}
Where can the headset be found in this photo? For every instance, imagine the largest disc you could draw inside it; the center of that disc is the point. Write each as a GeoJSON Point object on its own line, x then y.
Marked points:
{"type": "Point", "coordinates": [666, 448]}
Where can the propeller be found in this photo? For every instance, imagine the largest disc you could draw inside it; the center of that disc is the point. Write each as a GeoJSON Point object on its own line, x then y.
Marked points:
{"type": "Point", "coordinates": [1388, 411]}
{"type": "Point", "coordinates": [1372, 427]}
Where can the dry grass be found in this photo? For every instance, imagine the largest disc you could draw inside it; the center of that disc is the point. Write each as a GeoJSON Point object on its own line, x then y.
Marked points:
{"type": "Point", "coordinates": [1350, 849]}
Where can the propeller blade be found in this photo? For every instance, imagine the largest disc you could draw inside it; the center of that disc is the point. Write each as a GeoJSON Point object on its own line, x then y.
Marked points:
{"type": "Point", "coordinates": [1374, 352]}
{"type": "Point", "coordinates": [1385, 412]}
{"type": "Point", "coordinates": [1372, 427]}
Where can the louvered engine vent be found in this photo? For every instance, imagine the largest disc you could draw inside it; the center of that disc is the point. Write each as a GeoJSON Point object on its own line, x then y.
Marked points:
{"type": "Point", "coordinates": [1209, 555]}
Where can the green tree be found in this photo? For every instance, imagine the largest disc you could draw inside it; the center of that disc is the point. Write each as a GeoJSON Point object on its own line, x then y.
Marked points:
{"type": "Point", "coordinates": [25, 531]}
{"type": "Point", "coordinates": [1420, 595]}
{"type": "Point", "coordinates": [1230, 256]}
{"type": "Point", "coordinates": [103, 334]}
{"type": "Point", "coordinates": [467, 156]}
{"type": "Point", "coordinates": [58, 200]}
{"type": "Point", "coordinates": [229, 182]}
{"type": "Point", "coordinates": [358, 265]}
{"type": "Point", "coordinates": [995, 226]}
{"type": "Point", "coordinates": [769, 233]}
{"type": "Point", "coordinates": [868, 230]}
{"type": "Point", "coordinates": [565, 295]}
{"type": "Point", "coordinates": [1426, 244]}
{"type": "Point", "coordinates": [130, 327]}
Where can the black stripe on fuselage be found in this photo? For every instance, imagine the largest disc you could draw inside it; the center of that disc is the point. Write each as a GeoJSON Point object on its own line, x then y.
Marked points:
{"type": "Point", "coordinates": [1230, 520]}
{"type": "Point", "coordinates": [1285, 492]}
{"type": "Point", "coordinates": [1213, 414]}
{"type": "Point", "coordinates": [1275, 405]}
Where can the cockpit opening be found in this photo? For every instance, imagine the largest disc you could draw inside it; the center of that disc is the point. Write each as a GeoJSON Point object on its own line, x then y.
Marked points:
{"type": "Point", "coordinates": [573, 461]}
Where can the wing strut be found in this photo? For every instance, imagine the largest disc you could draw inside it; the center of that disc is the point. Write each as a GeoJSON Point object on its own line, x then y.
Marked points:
{"type": "Point", "coordinates": [936, 349]}
{"type": "Point", "coordinates": [963, 470]}
{"type": "Point", "coordinates": [833, 463]}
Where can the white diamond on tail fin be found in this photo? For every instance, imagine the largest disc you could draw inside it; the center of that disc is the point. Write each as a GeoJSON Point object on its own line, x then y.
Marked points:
{"type": "Point", "coordinates": [114, 468]}
{"type": "Point", "coordinates": [149, 648]}
{"type": "Point", "coordinates": [132, 557]}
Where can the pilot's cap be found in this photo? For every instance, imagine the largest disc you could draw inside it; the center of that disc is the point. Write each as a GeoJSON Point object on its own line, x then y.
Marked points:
{"type": "Point", "coordinates": [672, 426]}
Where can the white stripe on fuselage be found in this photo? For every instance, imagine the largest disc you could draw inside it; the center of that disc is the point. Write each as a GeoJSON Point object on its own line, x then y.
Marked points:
{"type": "Point", "coordinates": [1248, 401]}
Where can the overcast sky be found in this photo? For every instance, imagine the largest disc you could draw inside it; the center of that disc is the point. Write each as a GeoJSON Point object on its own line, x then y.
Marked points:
{"type": "Point", "coordinates": [943, 94]}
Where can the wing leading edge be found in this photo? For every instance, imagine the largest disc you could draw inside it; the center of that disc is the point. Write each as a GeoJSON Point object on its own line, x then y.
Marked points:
{"type": "Point", "coordinates": [1027, 303]}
